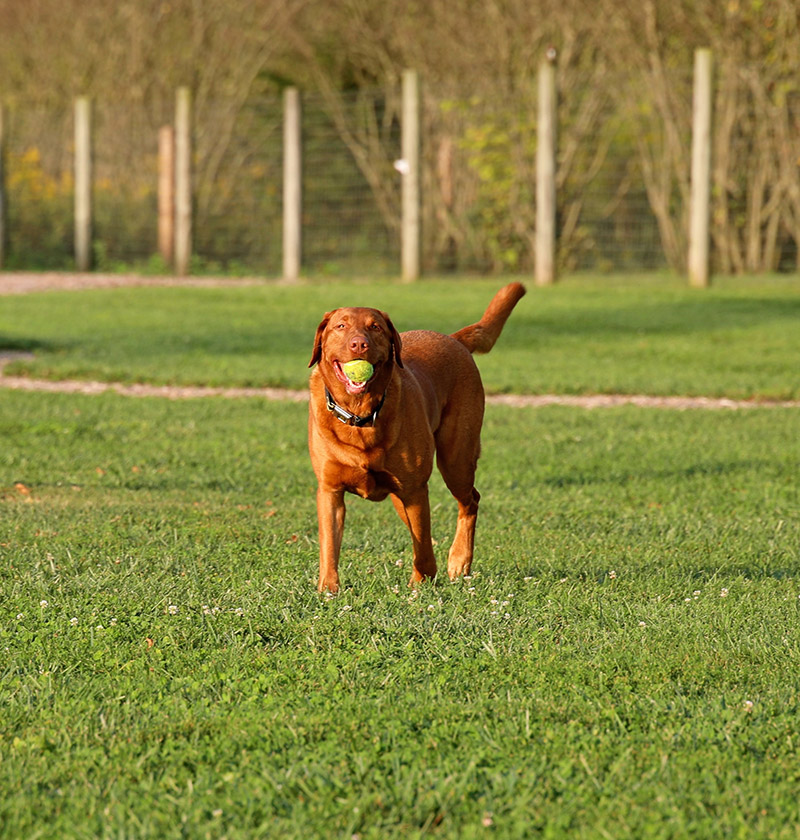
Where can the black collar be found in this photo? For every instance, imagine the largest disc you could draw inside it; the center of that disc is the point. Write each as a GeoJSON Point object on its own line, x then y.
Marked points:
{"type": "Point", "coordinates": [347, 417]}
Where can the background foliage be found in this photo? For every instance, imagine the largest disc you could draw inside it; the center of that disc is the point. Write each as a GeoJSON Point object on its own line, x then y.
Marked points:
{"type": "Point", "coordinates": [624, 118]}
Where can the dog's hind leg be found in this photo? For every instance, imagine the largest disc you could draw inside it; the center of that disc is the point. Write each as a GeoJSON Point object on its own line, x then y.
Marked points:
{"type": "Point", "coordinates": [459, 560]}
{"type": "Point", "coordinates": [457, 450]}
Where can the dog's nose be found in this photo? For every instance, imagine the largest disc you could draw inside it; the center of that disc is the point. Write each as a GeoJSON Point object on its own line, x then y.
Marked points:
{"type": "Point", "coordinates": [359, 344]}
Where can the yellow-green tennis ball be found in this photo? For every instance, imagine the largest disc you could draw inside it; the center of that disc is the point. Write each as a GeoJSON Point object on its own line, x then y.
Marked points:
{"type": "Point", "coordinates": [358, 370]}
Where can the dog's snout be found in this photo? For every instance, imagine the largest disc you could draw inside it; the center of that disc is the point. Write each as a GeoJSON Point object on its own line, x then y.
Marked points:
{"type": "Point", "coordinates": [359, 344]}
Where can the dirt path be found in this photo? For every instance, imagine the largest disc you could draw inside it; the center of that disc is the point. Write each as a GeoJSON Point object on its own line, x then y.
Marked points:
{"type": "Point", "coordinates": [173, 392]}
{"type": "Point", "coordinates": [25, 283]}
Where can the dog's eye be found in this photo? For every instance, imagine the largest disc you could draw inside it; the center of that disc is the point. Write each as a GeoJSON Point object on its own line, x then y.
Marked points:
{"type": "Point", "coordinates": [375, 326]}
{"type": "Point", "coordinates": [340, 326]}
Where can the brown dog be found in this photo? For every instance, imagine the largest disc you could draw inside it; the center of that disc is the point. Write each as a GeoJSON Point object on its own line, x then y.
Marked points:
{"type": "Point", "coordinates": [378, 438]}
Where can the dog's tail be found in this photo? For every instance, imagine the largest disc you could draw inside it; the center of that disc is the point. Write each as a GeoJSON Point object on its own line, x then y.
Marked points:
{"type": "Point", "coordinates": [480, 337]}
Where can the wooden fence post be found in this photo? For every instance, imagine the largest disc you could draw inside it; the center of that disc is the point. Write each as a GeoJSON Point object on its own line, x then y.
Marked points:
{"type": "Point", "coordinates": [166, 193]}
{"type": "Point", "coordinates": [411, 239]}
{"type": "Point", "coordinates": [292, 184]}
{"type": "Point", "coordinates": [83, 183]}
{"type": "Point", "coordinates": [699, 212]}
{"type": "Point", "coordinates": [545, 258]}
{"type": "Point", "coordinates": [3, 223]}
{"type": "Point", "coordinates": [183, 181]}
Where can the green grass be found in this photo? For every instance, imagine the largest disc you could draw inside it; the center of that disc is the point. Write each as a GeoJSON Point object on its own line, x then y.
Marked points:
{"type": "Point", "coordinates": [653, 336]}
{"type": "Point", "coordinates": [624, 662]}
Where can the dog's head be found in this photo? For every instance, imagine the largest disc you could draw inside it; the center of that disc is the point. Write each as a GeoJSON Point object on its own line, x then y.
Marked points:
{"type": "Point", "coordinates": [356, 333]}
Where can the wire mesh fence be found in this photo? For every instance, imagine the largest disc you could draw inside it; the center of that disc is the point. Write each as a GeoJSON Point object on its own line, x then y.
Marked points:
{"type": "Point", "coordinates": [237, 190]}
{"type": "Point", "coordinates": [623, 180]}
{"type": "Point", "coordinates": [124, 177]}
{"type": "Point", "coordinates": [347, 226]}
{"type": "Point", "coordinates": [39, 188]}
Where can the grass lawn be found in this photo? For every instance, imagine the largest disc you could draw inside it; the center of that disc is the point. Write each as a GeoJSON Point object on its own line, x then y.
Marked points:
{"type": "Point", "coordinates": [624, 661]}
{"type": "Point", "coordinates": [654, 336]}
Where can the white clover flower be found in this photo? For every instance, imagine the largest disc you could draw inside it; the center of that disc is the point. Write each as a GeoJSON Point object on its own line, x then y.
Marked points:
{"type": "Point", "coordinates": [748, 705]}
{"type": "Point", "coordinates": [20, 616]}
{"type": "Point", "coordinates": [642, 624]}
{"type": "Point", "coordinates": [173, 609]}
{"type": "Point", "coordinates": [723, 593]}
{"type": "Point", "coordinates": [73, 621]}
{"type": "Point", "coordinates": [612, 574]}
{"type": "Point", "coordinates": [43, 604]}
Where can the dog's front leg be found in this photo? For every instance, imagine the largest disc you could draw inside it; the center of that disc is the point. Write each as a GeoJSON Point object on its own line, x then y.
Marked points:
{"type": "Point", "coordinates": [330, 515]}
{"type": "Point", "coordinates": [415, 511]}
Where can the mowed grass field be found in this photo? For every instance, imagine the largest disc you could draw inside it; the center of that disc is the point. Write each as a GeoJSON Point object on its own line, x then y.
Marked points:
{"type": "Point", "coordinates": [641, 335]}
{"type": "Point", "coordinates": [624, 661]}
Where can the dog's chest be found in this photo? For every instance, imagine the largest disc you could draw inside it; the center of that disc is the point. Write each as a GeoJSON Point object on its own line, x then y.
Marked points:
{"type": "Point", "coordinates": [371, 484]}
{"type": "Point", "coordinates": [367, 465]}
{"type": "Point", "coordinates": [366, 476]}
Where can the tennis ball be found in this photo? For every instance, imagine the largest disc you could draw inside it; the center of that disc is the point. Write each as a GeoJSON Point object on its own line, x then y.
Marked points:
{"type": "Point", "coordinates": [358, 370]}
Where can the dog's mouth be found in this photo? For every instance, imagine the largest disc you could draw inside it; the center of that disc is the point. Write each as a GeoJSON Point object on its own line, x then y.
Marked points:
{"type": "Point", "coordinates": [351, 386]}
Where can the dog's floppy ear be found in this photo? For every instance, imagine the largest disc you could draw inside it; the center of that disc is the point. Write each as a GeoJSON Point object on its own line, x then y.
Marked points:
{"type": "Point", "coordinates": [397, 344]}
{"type": "Point", "coordinates": [316, 356]}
